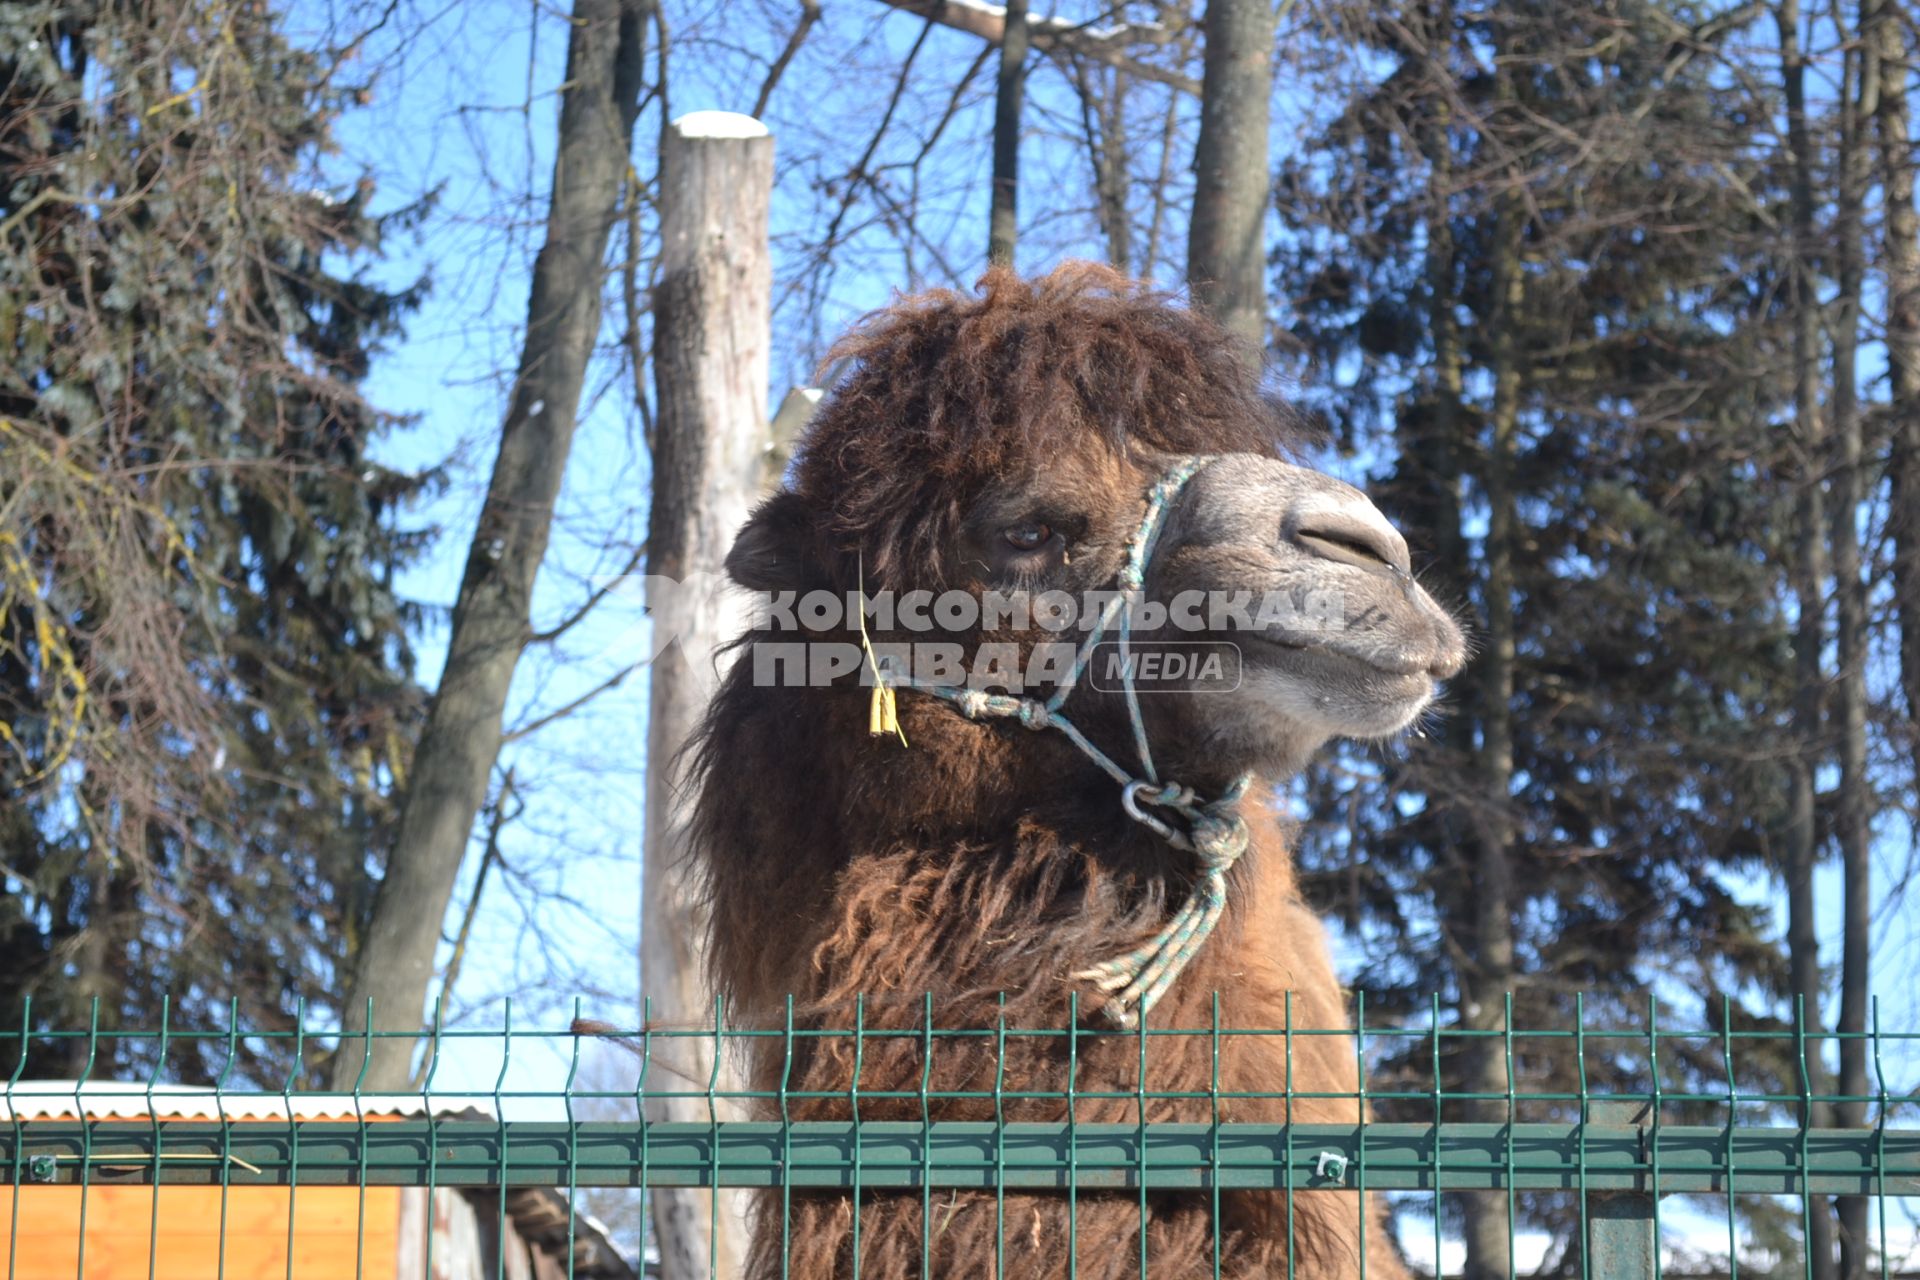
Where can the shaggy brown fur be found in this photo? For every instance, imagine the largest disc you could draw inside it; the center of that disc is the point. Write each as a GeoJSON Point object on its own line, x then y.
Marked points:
{"type": "Point", "coordinates": [984, 864]}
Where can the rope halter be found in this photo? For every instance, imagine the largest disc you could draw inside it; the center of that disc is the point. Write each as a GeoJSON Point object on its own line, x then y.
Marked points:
{"type": "Point", "coordinates": [1214, 833]}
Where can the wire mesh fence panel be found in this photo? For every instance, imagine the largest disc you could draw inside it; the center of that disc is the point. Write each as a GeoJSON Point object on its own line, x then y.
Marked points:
{"type": "Point", "coordinates": [1632, 1149]}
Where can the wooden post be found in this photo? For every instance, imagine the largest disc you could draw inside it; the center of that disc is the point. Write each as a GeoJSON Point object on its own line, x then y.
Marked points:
{"type": "Point", "coordinates": [712, 318]}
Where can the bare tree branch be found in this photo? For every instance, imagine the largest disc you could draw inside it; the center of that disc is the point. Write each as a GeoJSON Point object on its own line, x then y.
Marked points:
{"type": "Point", "coordinates": [498, 818]}
{"type": "Point", "coordinates": [1103, 127]}
{"type": "Point", "coordinates": [613, 681]}
{"type": "Point", "coordinates": [809, 14]}
{"type": "Point", "coordinates": [573, 619]}
{"type": "Point", "coordinates": [1057, 36]}
{"type": "Point", "coordinates": [862, 172]}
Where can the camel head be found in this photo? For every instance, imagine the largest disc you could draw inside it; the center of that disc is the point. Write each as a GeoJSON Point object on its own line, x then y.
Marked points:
{"type": "Point", "coordinates": [1350, 645]}
{"type": "Point", "coordinates": [1018, 446]}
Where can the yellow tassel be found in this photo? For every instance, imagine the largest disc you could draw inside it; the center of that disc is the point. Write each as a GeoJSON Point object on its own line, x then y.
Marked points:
{"type": "Point", "coordinates": [883, 714]}
{"type": "Point", "coordinates": [883, 709]}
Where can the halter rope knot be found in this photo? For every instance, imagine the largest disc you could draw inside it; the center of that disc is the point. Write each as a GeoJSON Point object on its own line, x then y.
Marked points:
{"type": "Point", "coordinates": [972, 702]}
{"type": "Point", "coordinates": [1219, 842]}
{"type": "Point", "coordinates": [1215, 832]}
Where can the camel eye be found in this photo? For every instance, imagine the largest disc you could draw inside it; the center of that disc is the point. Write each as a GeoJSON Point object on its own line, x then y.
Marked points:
{"type": "Point", "coordinates": [1028, 537]}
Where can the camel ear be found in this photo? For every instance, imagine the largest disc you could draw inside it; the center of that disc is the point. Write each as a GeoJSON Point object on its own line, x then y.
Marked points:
{"type": "Point", "coordinates": [774, 551]}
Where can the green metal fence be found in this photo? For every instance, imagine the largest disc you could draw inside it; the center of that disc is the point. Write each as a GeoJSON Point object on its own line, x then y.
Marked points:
{"type": "Point", "coordinates": [1636, 1151]}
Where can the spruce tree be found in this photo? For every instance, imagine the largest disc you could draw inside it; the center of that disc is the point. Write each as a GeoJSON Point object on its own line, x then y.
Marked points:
{"type": "Point", "coordinates": [204, 668]}
{"type": "Point", "coordinates": [1529, 263]}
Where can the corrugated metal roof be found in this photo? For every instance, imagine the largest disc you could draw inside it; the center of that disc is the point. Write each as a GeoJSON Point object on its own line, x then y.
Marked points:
{"type": "Point", "coordinates": [126, 1100]}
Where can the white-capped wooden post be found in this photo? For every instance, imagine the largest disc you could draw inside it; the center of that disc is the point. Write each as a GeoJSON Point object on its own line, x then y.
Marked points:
{"type": "Point", "coordinates": [712, 329]}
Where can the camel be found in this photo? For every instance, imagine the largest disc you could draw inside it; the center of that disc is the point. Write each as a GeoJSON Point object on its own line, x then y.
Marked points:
{"type": "Point", "coordinates": [987, 864]}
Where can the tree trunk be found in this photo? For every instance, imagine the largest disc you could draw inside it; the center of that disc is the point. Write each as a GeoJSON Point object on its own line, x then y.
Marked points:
{"type": "Point", "coordinates": [1902, 258]}
{"type": "Point", "coordinates": [1226, 244]}
{"type": "Point", "coordinates": [1859, 83]}
{"type": "Point", "coordinates": [94, 964]}
{"type": "Point", "coordinates": [711, 339]}
{"type": "Point", "coordinates": [490, 614]}
{"type": "Point", "coordinates": [1103, 119]}
{"type": "Point", "coordinates": [1003, 227]}
{"type": "Point", "coordinates": [1437, 452]}
{"type": "Point", "coordinates": [1434, 443]}
{"type": "Point", "coordinates": [1809, 573]}
{"type": "Point", "coordinates": [1488, 1231]}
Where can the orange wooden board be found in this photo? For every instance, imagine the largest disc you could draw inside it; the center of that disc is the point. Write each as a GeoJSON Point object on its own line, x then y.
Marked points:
{"type": "Point", "coordinates": [327, 1240]}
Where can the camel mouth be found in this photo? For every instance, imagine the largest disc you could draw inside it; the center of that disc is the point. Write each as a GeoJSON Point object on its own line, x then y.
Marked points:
{"type": "Point", "coordinates": [1339, 692]}
{"type": "Point", "coordinates": [1400, 662]}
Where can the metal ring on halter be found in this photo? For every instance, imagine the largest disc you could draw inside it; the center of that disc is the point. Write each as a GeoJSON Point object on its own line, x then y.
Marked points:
{"type": "Point", "coordinates": [1130, 801]}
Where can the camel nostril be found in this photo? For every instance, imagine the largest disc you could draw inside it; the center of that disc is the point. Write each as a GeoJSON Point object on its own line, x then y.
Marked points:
{"type": "Point", "coordinates": [1349, 539]}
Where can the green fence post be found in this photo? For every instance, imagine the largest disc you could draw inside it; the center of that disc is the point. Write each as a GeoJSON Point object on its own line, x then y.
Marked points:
{"type": "Point", "coordinates": [1621, 1239]}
